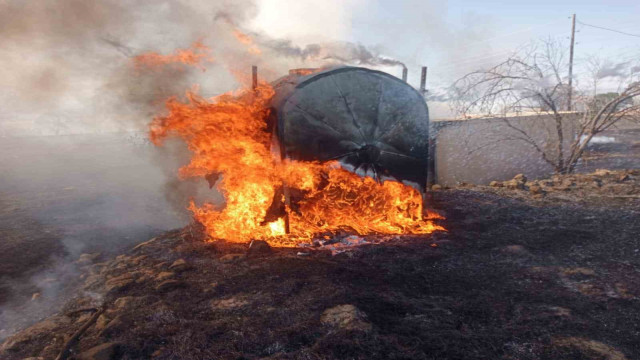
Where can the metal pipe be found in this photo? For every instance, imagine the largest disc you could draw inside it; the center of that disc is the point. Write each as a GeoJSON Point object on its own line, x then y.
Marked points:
{"type": "Point", "coordinates": [254, 77]}
{"type": "Point", "coordinates": [423, 81]}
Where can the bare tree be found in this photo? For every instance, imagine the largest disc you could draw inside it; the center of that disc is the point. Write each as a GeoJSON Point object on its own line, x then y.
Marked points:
{"type": "Point", "coordinates": [531, 82]}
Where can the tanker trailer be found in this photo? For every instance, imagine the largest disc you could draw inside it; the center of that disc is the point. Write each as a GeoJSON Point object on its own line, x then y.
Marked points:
{"type": "Point", "coordinates": [366, 119]}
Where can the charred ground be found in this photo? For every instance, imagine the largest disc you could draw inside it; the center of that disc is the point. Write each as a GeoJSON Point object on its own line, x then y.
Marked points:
{"type": "Point", "coordinates": [522, 273]}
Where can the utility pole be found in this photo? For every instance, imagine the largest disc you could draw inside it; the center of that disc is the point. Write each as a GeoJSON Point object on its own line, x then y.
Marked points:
{"type": "Point", "coordinates": [573, 38]}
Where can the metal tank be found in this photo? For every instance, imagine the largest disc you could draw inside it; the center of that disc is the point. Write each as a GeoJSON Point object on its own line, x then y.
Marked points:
{"type": "Point", "coordinates": [367, 119]}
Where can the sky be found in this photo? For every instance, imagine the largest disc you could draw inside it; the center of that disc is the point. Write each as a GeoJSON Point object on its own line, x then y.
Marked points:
{"type": "Point", "coordinates": [68, 61]}
{"type": "Point", "coordinates": [453, 37]}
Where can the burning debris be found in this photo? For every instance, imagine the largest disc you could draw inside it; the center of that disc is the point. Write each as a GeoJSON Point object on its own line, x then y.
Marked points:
{"type": "Point", "coordinates": [280, 155]}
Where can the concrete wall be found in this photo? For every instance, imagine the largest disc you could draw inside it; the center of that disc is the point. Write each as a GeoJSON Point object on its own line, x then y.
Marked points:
{"type": "Point", "coordinates": [481, 150]}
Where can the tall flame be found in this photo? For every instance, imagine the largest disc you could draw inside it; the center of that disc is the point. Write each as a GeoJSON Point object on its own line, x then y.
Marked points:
{"type": "Point", "coordinates": [228, 136]}
{"type": "Point", "coordinates": [246, 40]}
{"type": "Point", "coordinates": [193, 56]}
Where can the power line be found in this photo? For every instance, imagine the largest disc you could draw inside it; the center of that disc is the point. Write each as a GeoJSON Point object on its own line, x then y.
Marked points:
{"type": "Point", "coordinates": [604, 28]}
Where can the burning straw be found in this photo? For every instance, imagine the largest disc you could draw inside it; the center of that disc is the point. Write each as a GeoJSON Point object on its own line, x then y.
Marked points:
{"type": "Point", "coordinates": [228, 136]}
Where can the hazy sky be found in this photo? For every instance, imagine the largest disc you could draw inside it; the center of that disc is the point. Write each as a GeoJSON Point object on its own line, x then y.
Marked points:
{"type": "Point", "coordinates": [65, 63]}
{"type": "Point", "coordinates": [454, 36]}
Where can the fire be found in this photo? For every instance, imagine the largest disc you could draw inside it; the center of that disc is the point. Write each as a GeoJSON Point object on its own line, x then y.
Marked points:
{"type": "Point", "coordinates": [363, 205]}
{"type": "Point", "coordinates": [194, 56]}
{"type": "Point", "coordinates": [304, 71]}
{"type": "Point", "coordinates": [248, 41]}
{"type": "Point", "coordinates": [228, 136]}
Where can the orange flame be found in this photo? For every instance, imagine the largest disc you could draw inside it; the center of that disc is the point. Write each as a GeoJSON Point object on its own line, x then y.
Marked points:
{"type": "Point", "coordinates": [228, 136]}
{"type": "Point", "coordinates": [193, 56]}
{"type": "Point", "coordinates": [304, 71]}
{"type": "Point", "coordinates": [245, 39]}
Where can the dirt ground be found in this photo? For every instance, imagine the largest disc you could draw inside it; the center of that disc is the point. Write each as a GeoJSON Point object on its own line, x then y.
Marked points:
{"type": "Point", "coordinates": [530, 270]}
{"type": "Point", "coordinates": [623, 153]}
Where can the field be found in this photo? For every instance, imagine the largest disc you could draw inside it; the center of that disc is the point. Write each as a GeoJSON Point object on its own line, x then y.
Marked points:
{"type": "Point", "coordinates": [551, 275]}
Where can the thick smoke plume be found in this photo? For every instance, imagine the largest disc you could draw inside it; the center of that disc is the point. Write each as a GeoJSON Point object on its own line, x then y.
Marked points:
{"type": "Point", "coordinates": [75, 67]}
{"type": "Point", "coordinates": [69, 67]}
{"type": "Point", "coordinates": [340, 51]}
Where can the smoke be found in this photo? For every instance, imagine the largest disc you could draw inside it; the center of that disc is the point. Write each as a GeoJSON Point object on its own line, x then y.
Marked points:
{"type": "Point", "coordinates": [66, 67]}
{"type": "Point", "coordinates": [342, 52]}
{"type": "Point", "coordinates": [614, 70]}
{"type": "Point", "coordinates": [72, 59]}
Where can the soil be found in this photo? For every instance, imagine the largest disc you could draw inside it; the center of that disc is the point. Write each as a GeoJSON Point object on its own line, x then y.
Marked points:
{"type": "Point", "coordinates": [542, 270]}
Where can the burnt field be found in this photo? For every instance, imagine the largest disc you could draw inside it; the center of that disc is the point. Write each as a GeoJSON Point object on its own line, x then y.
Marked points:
{"type": "Point", "coordinates": [621, 151]}
{"type": "Point", "coordinates": [525, 273]}
{"type": "Point", "coordinates": [68, 194]}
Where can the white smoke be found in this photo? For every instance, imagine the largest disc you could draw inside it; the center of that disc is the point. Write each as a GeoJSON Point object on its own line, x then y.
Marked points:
{"type": "Point", "coordinates": [66, 68]}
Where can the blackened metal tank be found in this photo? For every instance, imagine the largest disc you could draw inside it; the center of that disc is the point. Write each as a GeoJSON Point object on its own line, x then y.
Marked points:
{"type": "Point", "coordinates": [364, 118]}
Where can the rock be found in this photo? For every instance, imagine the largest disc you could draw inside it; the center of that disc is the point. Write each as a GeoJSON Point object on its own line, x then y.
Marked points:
{"type": "Point", "coordinates": [520, 178]}
{"type": "Point", "coordinates": [602, 172]}
{"type": "Point", "coordinates": [179, 265]}
{"type": "Point", "coordinates": [101, 322]}
{"type": "Point", "coordinates": [259, 247]}
{"type": "Point", "coordinates": [83, 317]}
{"type": "Point", "coordinates": [160, 265]}
{"type": "Point", "coordinates": [518, 250]}
{"type": "Point", "coordinates": [229, 304]}
{"type": "Point", "coordinates": [52, 350]}
{"type": "Point", "coordinates": [144, 244]}
{"type": "Point", "coordinates": [119, 283]}
{"type": "Point", "coordinates": [92, 280]}
{"type": "Point", "coordinates": [536, 189]}
{"type": "Point", "coordinates": [513, 184]}
{"type": "Point", "coordinates": [347, 317]}
{"type": "Point", "coordinates": [622, 291]}
{"type": "Point", "coordinates": [559, 311]}
{"type": "Point", "coordinates": [518, 182]}
{"type": "Point", "coordinates": [157, 353]}
{"type": "Point", "coordinates": [495, 184]}
{"type": "Point", "coordinates": [164, 275]}
{"type": "Point", "coordinates": [170, 285]}
{"type": "Point", "coordinates": [113, 327]}
{"type": "Point", "coordinates": [591, 349]}
{"type": "Point", "coordinates": [212, 287]}
{"type": "Point", "coordinates": [122, 257]}
{"type": "Point", "coordinates": [232, 258]}
{"type": "Point", "coordinates": [577, 271]}
{"type": "Point", "coordinates": [33, 333]}
{"type": "Point", "coordinates": [107, 351]}
{"type": "Point", "coordinates": [87, 259]}
{"type": "Point", "coordinates": [565, 184]}
{"type": "Point", "coordinates": [137, 260]}
{"type": "Point", "coordinates": [436, 187]}
{"type": "Point", "coordinates": [546, 183]}
{"type": "Point", "coordinates": [127, 303]}
{"type": "Point", "coordinates": [589, 289]}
